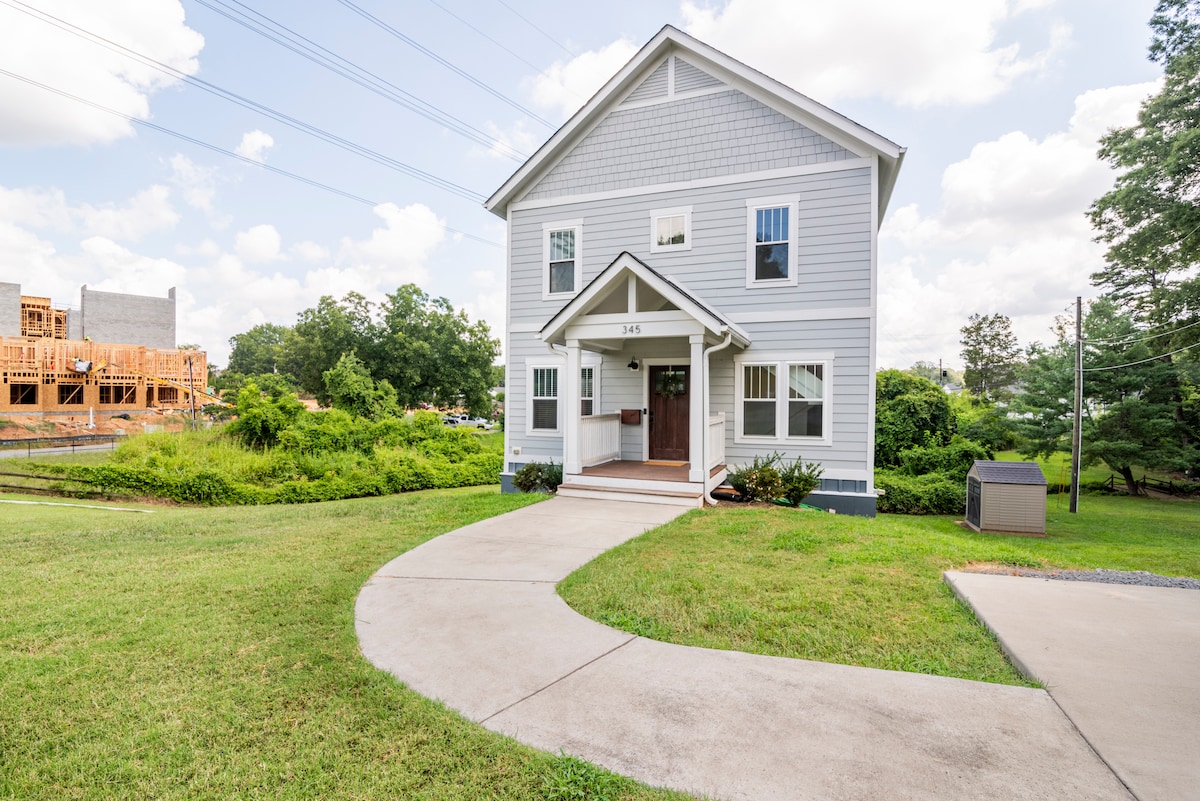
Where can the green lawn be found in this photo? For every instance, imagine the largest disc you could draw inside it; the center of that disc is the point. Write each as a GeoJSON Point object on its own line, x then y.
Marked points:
{"type": "Point", "coordinates": [211, 653]}
{"type": "Point", "coordinates": [856, 591]}
{"type": "Point", "coordinates": [1057, 470]}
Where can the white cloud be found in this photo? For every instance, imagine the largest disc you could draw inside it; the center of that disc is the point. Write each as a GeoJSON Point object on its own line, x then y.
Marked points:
{"type": "Point", "coordinates": [309, 251]}
{"type": "Point", "coordinates": [146, 212]}
{"type": "Point", "coordinates": [126, 271]}
{"type": "Point", "coordinates": [254, 145]}
{"type": "Point", "coordinates": [39, 51]}
{"type": "Point", "coordinates": [518, 139]}
{"type": "Point", "coordinates": [1011, 236]}
{"type": "Point", "coordinates": [260, 243]}
{"type": "Point", "coordinates": [566, 87]}
{"type": "Point", "coordinates": [394, 254]}
{"type": "Point", "coordinates": [931, 53]}
{"type": "Point", "coordinates": [198, 184]}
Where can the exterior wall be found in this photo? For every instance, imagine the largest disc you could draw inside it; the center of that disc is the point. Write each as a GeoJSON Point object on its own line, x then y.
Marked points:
{"type": "Point", "coordinates": [127, 319]}
{"type": "Point", "coordinates": [1013, 507]}
{"type": "Point", "coordinates": [721, 133]}
{"type": "Point", "coordinates": [10, 310]}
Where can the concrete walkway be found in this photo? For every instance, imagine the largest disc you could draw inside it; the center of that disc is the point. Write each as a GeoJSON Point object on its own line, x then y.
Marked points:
{"type": "Point", "coordinates": [472, 618]}
{"type": "Point", "coordinates": [1123, 662]}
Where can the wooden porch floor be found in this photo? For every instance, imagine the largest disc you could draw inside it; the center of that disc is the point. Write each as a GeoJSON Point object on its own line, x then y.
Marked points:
{"type": "Point", "coordinates": [647, 471]}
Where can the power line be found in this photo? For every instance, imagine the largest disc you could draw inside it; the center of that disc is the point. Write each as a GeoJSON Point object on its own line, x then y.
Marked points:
{"type": "Point", "coordinates": [1141, 339]}
{"type": "Point", "coordinates": [511, 52]}
{"type": "Point", "coordinates": [223, 151]}
{"type": "Point", "coordinates": [307, 48]}
{"type": "Point", "coordinates": [531, 24]}
{"type": "Point", "coordinates": [447, 64]}
{"type": "Point", "coordinates": [1140, 361]}
{"type": "Point", "coordinates": [300, 125]}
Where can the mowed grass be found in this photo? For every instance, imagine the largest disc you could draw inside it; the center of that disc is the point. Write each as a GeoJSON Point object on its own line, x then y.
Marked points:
{"type": "Point", "coordinates": [210, 653]}
{"type": "Point", "coordinates": [857, 591]}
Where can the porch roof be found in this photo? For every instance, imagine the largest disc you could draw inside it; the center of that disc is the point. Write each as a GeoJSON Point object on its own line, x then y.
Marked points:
{"type": "Point", "coordinates": [713, 322]}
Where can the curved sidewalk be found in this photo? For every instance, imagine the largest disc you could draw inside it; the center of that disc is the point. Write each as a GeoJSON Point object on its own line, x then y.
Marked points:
{"type": "Point", "coordinates": [472, 619]}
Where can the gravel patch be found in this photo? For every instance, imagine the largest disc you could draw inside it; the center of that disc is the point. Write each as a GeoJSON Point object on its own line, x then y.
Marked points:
{"type": "Point", "coordinates": [1139, 578]}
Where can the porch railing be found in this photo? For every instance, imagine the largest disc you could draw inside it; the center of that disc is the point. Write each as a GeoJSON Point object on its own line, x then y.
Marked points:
{"type": "Point", "coordinates": [599, 439]}
{"type": "Point", "coordinates": [716, 440]}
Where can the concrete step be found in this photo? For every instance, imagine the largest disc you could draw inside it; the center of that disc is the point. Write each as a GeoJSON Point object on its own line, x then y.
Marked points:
{"type": "Point", "coordinates": [690, 499]}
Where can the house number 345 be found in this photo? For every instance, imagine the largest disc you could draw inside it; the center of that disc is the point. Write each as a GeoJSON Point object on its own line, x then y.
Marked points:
{"type": "Point", "coordinates": [631, 329]}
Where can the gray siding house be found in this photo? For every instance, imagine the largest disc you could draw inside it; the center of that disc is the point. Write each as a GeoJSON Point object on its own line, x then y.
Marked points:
{"type": "Point", "coordinates": [692, 281]}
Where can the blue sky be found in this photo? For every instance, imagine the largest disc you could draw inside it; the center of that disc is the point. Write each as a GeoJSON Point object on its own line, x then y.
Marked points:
{"type": "Point", "coordinates": [999, 103]}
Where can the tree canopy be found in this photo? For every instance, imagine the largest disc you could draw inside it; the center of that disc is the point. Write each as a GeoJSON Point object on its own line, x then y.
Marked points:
{"type": "Point", "coordinates": [991, 356]}
{"type": "Point", "coordinates": [910, 412]}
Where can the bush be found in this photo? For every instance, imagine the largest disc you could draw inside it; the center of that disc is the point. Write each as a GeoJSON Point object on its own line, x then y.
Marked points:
{"type": "Point", "coordinates": [953, 460]}
{"type": "Point", "coordinates": [768, 478]}
{"type": "Point", "coordinates": [538, 477]}
{"type": "Point", "coordinates": [931, 494]}
{"type": "Point", "coordinates": [799, 480]}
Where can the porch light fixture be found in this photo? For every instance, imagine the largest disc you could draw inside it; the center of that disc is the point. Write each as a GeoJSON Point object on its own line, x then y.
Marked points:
{"type": "Point", "coordinates": [633, 364]}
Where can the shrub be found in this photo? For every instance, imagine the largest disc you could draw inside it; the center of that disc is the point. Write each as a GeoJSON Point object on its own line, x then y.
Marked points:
{"type": "Point", "coordinates": [758, 481]}
{"type": "Point", "coordinates": [538, 477]}
{"type": "Point", "coordinates": [953, 460]}
{"type": "Point", "coordinates": [931, 494]}
{"type": "Point", "coordinates": [799, 480]}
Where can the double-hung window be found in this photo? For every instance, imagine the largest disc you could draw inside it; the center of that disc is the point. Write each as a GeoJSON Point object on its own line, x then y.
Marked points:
{"type": "Point", "coordinates": [543, 399]}
{"type": "Point", "coordinates": [671, 229]}
{"type": "Point", "coordinates": [587, 391]}
{"type": "Point", "coordinates": [771, 242]}
{"type": "Point", "coordinates": [783, 397]}
{"type": "Point", "coordinates": [562, 247]}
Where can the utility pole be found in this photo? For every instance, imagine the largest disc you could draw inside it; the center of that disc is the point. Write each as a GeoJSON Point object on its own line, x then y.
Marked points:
{"type": "Point", "coordinates": [1077, 434]}
{"type": "Point", "coordinates": [192, 391]}
{"type": "Point", "coordinates": [941, 374]}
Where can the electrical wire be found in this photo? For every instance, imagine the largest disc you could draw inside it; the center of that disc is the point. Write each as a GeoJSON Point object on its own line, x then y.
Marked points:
{"type": "Point", "coordinates": [1141, 339]}
{"type": "Point", "coordinates": [217, 149]}
{"type": "Point", "coordinates": [531, 24]}
{"type": "Point", "coordinates": [374, 20]}
{"type": "Point", "coordinates": [306, 48]}
{"type": "Point", "coordinates": [1140, 361]}
{"type": "Point", "coordinates": [404, 98]}
{"type": "Point", "coordinates": [312, 130]}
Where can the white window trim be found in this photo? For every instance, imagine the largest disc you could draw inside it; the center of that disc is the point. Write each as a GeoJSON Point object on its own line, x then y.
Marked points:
{"type": "Point", "coordinates": [780, 361]}
{"type": "Point", "coordinates": [752, 206]}
{"type": "Point", "coordinates": [562, 225]}
{"type": "Point", "coordinates": [595, 368]}
{"type": "Point", "coordinates": [655, 216]}
{"type": "Point", "coordinates": [558, 423]}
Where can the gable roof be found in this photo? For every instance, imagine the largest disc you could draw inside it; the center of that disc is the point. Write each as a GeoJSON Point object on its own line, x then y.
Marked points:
{"type": "Point", "coordinates": [670, 289]}
{"type": "Point", "coordinates": [821, 119]}
{"type": "Point", "coordinates": [1009, 472]}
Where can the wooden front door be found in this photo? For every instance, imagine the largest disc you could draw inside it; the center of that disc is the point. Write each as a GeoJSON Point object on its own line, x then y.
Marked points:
{"type": "Point", "coordinates": [669, 413]}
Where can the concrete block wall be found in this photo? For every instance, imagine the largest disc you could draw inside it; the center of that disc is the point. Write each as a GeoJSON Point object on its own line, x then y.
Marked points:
{"type": "Point", "coordinates": [127, 319]}
{"type": "Point", "coordinates": [10, 309]}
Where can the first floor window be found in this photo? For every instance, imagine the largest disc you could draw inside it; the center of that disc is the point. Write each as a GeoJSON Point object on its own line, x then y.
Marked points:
{"type": "Point", "coordinates": [781, 399]}
{"type": "Point", "coordinates": [22, 394]}
{"type": "Point", "coordinates": [587, 391]}
{"type": "Point", "coordinates": [70, 394]}
{"type": "Point", "coordinates": [544, 399]}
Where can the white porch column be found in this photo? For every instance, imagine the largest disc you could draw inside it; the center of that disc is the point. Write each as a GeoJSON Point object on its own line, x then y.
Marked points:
{"type": "Point", "coordinates": [569, 392]}
{"type": "Point", "coordinates": [697, 425]}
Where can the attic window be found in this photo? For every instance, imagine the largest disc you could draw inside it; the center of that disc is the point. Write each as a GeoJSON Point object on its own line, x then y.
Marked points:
{"type": "Point", "coordinates": [671, 229]}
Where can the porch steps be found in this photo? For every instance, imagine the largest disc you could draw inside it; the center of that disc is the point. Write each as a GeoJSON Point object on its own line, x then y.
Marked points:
{"type": "Point", "coordinates": [689, 498]}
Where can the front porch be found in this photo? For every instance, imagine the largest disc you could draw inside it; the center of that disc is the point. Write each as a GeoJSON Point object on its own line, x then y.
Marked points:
{"type": "Point", "coordinates": [604, 474]}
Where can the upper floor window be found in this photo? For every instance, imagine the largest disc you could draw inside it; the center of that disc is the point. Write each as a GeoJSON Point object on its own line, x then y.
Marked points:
{"type": "Point", "coordinates": [563, 272]}
{"type": "Point", "coordinates": [771, 243]}
{"type": "Point", "coordinates": [671, 229]}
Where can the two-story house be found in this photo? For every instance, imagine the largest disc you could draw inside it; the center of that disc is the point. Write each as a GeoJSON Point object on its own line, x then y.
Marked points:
{"type": "Point", "coordinates": [692, 281]}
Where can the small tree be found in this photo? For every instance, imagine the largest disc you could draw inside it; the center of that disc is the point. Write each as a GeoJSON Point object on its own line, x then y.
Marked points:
{"type": "Point", "coordinates": [909, 412]}
{"type": "Point", "coordinates": [991, 355]}
{"type": "Point", "coordinates": [351, 389]}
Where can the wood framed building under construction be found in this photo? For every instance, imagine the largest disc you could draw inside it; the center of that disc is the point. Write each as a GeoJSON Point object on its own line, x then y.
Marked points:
{"type": "Point", "coordinates": [42, 371]}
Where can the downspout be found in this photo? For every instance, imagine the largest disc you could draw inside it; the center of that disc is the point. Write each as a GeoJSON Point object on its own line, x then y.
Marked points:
{"type": "Point", "coordinates": [708, 384]}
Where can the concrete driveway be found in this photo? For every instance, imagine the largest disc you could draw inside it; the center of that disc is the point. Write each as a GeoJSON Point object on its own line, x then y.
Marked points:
{"type": "Point", "coordinates": [472, 618]}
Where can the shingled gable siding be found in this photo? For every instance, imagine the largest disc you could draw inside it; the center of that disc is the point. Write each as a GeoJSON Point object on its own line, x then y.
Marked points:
{"type": "Point", "coordinates": [723, 133]}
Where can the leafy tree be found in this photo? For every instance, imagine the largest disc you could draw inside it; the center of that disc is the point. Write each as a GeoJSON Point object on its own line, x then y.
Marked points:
{"type": "Point", "coordinates": [991, 355]}
{"type": "Point", "coordinates": [1131, 417]}
{"type": "Point", "coordinates": [351, 389]}
{"type": "Point", "coordinates": [323, 334]}
{"type": "Point", "coordinates": [261, 419]}
{"type": "Point", "coordinates": [1151, 219]}
{"type": "Point", "coordinates": [433, 353]}
{"type": "Point", "coordinates": [909, 412]}
{"type": "Point", "coordinates": [258, 350]}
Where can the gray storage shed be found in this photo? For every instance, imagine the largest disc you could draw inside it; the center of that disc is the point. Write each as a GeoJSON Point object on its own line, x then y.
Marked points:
{"type": "Point", "coordinates": [1006, 496]}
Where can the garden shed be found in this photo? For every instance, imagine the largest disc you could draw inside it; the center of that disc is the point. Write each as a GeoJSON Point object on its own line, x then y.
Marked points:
{"type": "Point", "coordinates": [1006, 496]}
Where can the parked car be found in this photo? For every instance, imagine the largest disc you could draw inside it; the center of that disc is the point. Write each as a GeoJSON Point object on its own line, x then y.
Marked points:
{"type": "Point", "coordinates": [467, 420]}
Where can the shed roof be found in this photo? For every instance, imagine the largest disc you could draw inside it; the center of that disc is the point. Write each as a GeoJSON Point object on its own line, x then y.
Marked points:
{"type": "Point", "coordinates": [1009, 472]}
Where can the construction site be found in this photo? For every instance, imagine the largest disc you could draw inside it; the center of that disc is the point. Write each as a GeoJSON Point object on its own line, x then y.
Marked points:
{"type": "Point", "coordinates": [113, 355]}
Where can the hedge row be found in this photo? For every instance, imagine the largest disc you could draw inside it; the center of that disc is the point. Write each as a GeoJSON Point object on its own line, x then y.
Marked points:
{"type": "Point", "coordinates": [932, 494]}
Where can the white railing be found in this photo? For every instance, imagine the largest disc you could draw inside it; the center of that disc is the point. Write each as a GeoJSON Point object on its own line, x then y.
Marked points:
{"type": "Point", "coordinates": [599, 439]}
{"type": "Point", "coordinates": [716, 440]}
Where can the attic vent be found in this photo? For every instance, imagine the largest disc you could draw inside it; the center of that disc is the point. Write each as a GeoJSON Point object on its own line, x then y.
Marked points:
{"type": "Point", "coordinates": [653, 88]}
{"type": "Point", "coordinates": [689, 78]}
